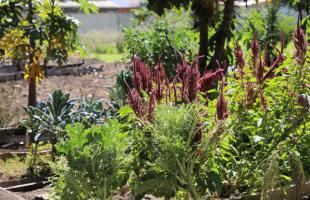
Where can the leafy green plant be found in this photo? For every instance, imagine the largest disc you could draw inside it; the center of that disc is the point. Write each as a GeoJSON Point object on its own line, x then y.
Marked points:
{"type": "Point", "coordinates": [270, 114]}
{"type": "Point", "coordinates": [177, 155]}
{"type": "Point", "coordinates": [106, 49]}
{"type": "Point", "coordinates": [88, 112]}
{"type": "Point", "coordinates": [119, 91]}
{"type": "Point", "coordinates": [50, 117]}
{"type": "Point", "coordinates": [96, 161]}
{"type": "Point", "coordinates": [14, 167]}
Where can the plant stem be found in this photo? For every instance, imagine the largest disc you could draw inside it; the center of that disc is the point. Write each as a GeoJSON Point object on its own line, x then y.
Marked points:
{"type": "Point", "coordinates": [192, 191]}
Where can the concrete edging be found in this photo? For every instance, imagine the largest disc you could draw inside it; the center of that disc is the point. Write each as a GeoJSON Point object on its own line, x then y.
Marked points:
{"type": "Point", "coordinates": [7, 195]}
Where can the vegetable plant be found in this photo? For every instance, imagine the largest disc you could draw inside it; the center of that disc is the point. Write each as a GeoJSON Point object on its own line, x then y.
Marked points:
{"type": "Point", "coordinates": [97, 162]}
{"type": "Point", "coordinates": [49, 118]}
{"type": "Point", "coordinates": [88, 111]}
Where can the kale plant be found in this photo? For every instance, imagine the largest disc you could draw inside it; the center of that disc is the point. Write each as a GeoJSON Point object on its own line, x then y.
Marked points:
{"type": "Point", "coordinates": [97, 162]}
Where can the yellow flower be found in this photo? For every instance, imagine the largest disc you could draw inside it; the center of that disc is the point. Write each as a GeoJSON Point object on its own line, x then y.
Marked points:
{"type": "Point", "coordinates": [34, 70]}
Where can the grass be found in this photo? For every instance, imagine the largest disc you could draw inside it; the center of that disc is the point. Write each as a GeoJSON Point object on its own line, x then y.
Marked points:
{"type": "Point", "coordinates": [114, 57]}
{"type": "Point", "coordinates": [18, 167]}
{"type": "Point", "coordinates": [13, 168]}
{"type": "Point", "coordinates": [107, 52]}
{"type": "Point", "coordinates": [103, 46]}
{"type": "Point", "coordinates": [92, 39]}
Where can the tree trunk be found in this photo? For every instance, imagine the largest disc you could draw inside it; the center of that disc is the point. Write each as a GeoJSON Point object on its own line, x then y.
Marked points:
{"type": "Point", "coordinates": [32, 92]}
{"type": "Point", "coordinates": [222, 34]}
{"type": "Point", "coordinates": [203, 43]}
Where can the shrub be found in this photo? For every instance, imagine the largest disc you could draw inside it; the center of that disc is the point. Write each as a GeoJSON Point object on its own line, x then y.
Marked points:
{"type": "Point", "coordinates": [161, 42]}
{"type": "Point", "coordinates": [268, 115]}
{"type": "Point", "coordinates": [259, 22]}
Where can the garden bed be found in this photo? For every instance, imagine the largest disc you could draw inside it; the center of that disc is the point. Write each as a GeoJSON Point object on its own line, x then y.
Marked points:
{"type": "Point", "coordinates": [74, 66]}
{"type": "Point", "coordinates": [14, 95]}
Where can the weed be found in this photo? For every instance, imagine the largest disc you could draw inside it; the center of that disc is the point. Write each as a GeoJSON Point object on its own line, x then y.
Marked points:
{"type": "Point", "coordinates": [12, 168]}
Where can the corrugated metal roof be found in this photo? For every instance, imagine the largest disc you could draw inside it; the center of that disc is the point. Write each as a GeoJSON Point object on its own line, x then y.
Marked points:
{"type": "Point", "coordinates": [99, 4]}
{"type": "Point", "coordinates": [105, 4]}
{"type": "Point", "coordinates": [126, 3]}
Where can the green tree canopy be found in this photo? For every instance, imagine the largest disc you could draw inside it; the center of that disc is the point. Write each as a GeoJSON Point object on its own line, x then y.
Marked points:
{"type": "Point", "coordinates": [207, 13]}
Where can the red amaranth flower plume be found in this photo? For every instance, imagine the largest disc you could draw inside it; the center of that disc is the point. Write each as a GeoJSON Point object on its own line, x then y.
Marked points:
{"type": "Point", "coordinates": [193, 80]}
{"type": "Point", "coordinates": [142, 76]}
{"type": "Point", "coordinates": [136, 102]}
{"type": "Point", "coordinates": [240, 62]}
{"type": "Point", "coordinates": [137, 79]}
{"type": "Point", "coordinates": [189, 76]}
{"type": "Point", "coordinates": [250, 94]}
{"type": "Point", "coordinates": [300, 43]}
{"type": "Point", "coordinates": [181, 68]}
{"type": "Point", "coordinates": [266, 57]}
{"type": "Point", "coordinates": [184, 90]}
{"type": "Point", "coordinates": [210, 78]}
{"type": "Point", "coordinates": [221, 104]}
{"type": "Point", "coordinates": [278, 61]}
{"type": "Point", "coordinates": [161, 80]}
{"type": "Point", "coordinates": [260, 72]}
{"type": "Point", "coordinates": [255, 49]}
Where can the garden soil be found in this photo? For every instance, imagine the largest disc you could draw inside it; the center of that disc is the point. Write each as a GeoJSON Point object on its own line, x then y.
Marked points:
{"type": "Point", "coordinates": [96, 84]}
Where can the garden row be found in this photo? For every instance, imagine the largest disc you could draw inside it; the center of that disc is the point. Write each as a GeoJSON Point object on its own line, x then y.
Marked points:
{"type": "Point", "coordinates": [226, 133]}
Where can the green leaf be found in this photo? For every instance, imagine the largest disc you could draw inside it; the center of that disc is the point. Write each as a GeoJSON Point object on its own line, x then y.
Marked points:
{"type": "Point", "coordinates": [88, 7]}
{"type": "Point", "coordinates": [214, 182]}
{"type": "Point", "coordinates": [125, 111]}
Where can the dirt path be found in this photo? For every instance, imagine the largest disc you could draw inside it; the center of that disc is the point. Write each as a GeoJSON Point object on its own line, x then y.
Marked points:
{"type": "Point", "coordinates": [13, 94]}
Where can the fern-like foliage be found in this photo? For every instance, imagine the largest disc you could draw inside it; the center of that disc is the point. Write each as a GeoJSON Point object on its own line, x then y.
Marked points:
{"type": "Point", "coordinates": [178, 143]}
{"type": "Point", "coordinates": [297, 173]}
{"type": "Point", "coordinates": [270, 176]}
